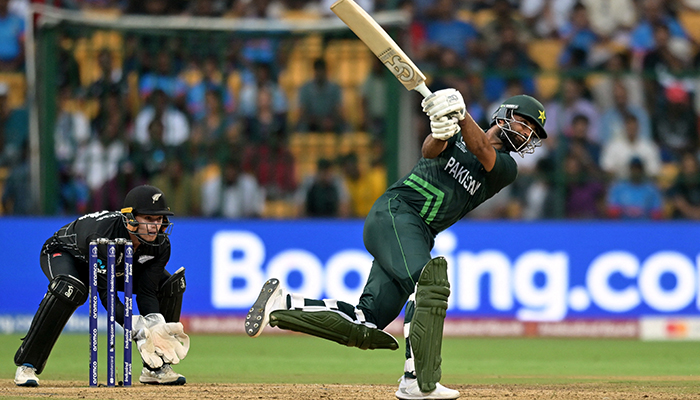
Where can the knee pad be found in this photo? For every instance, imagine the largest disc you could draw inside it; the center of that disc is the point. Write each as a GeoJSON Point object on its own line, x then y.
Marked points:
{"type": "Point", "coordinates": [425, 334]}
{"type": "Point", "coordinates": [170, 296]}
{"type": "Point", "coordinates": [64, 295]}
{"type": "Point", "coordinates": [333, 325]}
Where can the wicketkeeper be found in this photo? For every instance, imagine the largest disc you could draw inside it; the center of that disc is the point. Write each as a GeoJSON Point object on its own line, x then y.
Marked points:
{"type": "Point", "coordinates": [158, 333]}
{"type": "Point", "coordinates": [455, 175]}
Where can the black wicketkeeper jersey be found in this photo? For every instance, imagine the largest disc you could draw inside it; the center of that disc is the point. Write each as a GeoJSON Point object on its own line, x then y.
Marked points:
{"type": "Point", "coordinates": [444, 189]}
{"type": "Point", "coordinates": [149, 261]}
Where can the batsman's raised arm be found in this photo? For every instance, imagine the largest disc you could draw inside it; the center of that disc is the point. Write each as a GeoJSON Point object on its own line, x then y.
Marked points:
{"type": "Point", "coordinates": [517, 126]}
{"type": "Point", "coordinates": [448, 115]}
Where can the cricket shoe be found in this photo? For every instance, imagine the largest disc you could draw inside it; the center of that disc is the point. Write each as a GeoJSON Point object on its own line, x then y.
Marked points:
{"type": "Point", "coordinates": [270, 299]}
{"type": "Point", "coordinates": [26, 376]}
{"type": "Point", "coordinates": [162, 376]}
{"type": "Point", "coordinates": [409, 390]}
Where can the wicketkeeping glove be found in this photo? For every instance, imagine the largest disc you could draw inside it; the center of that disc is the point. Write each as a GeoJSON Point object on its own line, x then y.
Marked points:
{"type": "Point", "coordinates": [147, 348]}
{"type": "Point", "coordinates": [144, 341]}
{"type": "Point", "coordinates": [170, 341]}
{"type": "Point", "coordinates": [445, 102]}
{"type": "Point", "coordinates": [444, 128]}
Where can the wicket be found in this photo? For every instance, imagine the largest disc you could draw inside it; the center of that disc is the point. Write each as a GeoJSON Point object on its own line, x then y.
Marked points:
{"type": "Point", "coordinates": [111, 308]}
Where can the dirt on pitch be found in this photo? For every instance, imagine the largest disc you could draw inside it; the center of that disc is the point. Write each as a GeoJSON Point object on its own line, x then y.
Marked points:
{"type": "Point", "coordinates": [625, 388]}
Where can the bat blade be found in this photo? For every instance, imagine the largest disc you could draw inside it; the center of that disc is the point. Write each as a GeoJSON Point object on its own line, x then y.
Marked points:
{"type": "Point", "coordinates": [381, 44]}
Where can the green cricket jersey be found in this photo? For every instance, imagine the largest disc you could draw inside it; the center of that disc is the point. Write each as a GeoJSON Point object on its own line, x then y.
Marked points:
{"type": "Point", "coordinates": [444, 189]}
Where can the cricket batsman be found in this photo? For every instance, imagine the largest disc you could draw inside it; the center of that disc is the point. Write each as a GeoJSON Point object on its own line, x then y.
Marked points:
{"type": "Point", "coordinates": [455, 174]}
{"type": "Point", "coordinates": [64, 260]}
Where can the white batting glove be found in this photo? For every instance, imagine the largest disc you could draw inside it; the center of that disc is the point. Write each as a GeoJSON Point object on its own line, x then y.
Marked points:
{"type": "Point", "coordinates": [170, 341]}
{"type": "Point", "coordinates": [444, 128]}
{"type": "Point", "coordinates": [445, 102]}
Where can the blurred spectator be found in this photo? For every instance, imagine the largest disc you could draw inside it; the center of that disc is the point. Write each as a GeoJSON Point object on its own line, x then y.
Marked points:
{"type": "Point", "coordinates": [364, 187]}
{"type": "Point", "coordinates": [111, 77]}
{"type": "Point", "coordinates": [17, 194]}
{"type": "Point", "coordinates": [183, 193]}
{"type": "Point", "coordinates": [684, 194]}
{"type": "Point", "coordinates": [546, 17]}
{"type": "Point", "coordinates": [539, 200]}
{"type": "Point", "coordinates": [99, 162]}
{"type": "Point", "coordinates": [584, 188]}
{"type": "Point", "coordinates": [636, 197]}
{"type": "Point", "coordinates": [612, 123]}
{"type": "Point", "coordinates": [617, 68]}
{"type": "Point", "coordinates": [74, 193]}
{"type": "Point", "coordinates": [266, 124]}
{"type": "Point", "coordinates": [618, 153]}
{"type": "Point", "coordinates": [67, 68]}
{"type": "Point", "coordinates": [163, 78]}
{"type": "Point", "coordinates": [71, 134]}
{"type": "Point", "coordinates": [573, 100]}
{"type": "Point", "coordinates": [236, 194]}
{"type": "Point", "coordinates": [674, 124]}
{"type": "Point", "coordinates": [579, 39]}
{"type": "Point", "coordinates": [505, 14]}
{"type": "Point", "coordinates": [149, 158]}
{"type": "Point", "coordinates": [215, 121]}
{"type": "Point", "coordinates": [577, 141]}
{"type": "Point", "coordinates": [320, 103]}
{"type": "Point", "coordinates": [14, 129]}
{"type": "Point", "coordinates": [264, 80]}
{"type": "Point", "coordinates": [610, 19]}
{"type": "Point", "coordinates": [272, 164]}
{"type": "Point", "coordinates": [508, 63]}
{"type": "Point", "coordinates": [375, 100]}
{"type": "Point", "coordinates": [177, 129]}
{"type": "Point", "coordinates": [11, 39]}
{"type": "Point", "coordinates": [211, 79]}
{"type": "Point", "coordinates": [444, 31]}
{"type": "Point", "coordinates": [323, 195]}
{"type": "Point", "coordinates": [450, 70]}
{"type": "Point", "coordinates": [72, 127]}
{"type": "Point", "coordinates": [664, 67]}
{"type": "Point", "coordinates": [642, 37]}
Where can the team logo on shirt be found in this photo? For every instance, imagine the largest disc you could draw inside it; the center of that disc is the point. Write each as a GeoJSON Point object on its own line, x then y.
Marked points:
{"type": "Point", "coordinates": [144, 258]}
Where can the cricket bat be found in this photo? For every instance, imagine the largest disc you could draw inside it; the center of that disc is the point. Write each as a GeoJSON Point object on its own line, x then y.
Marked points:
{"type": "Point", "coordinates": [381, 44]}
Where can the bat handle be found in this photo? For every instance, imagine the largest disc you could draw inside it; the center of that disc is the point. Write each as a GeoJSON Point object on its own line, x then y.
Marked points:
{"type": "Point", "coordinates": [422, 89]}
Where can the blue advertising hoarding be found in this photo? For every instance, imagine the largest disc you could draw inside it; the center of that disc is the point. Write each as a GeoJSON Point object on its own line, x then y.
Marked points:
{"type": "Point", "coordinates": [544, 271]}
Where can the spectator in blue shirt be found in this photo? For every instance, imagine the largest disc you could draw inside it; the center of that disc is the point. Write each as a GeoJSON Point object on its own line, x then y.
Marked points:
{"type": "Point", "coordinates": [642, 36]}
{"type": "Point", "coordinates": [636, 197]}
{"type": "Point", "coordinates": [11, 39]}
{"type": "Point", "coordinates": [579, 38]}
{"type": "Point", "coordinates": [446, 31]}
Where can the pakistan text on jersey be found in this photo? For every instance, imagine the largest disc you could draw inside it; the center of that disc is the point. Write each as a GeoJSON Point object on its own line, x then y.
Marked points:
{"type": "Point", "coordinates": [462, 175]}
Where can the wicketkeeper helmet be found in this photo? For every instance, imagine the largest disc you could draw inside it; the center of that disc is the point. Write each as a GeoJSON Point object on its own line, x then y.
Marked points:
{"type": "Point", "coordinates": [146, 200]}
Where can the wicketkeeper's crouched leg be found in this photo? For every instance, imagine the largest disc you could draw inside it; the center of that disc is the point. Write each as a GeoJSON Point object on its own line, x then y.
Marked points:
{"type": "Point", "coordinates": [328, 319]}
{"type": "Point", "coordinates": [63, 297]}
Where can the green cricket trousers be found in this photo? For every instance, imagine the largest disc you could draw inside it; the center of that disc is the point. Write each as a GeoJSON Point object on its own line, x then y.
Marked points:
{"type": "Point", "coordinates": [400, 242]}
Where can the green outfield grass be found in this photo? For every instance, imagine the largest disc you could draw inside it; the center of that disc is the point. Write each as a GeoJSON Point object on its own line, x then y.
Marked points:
{"type": "Point", "coordinates": [301, 359]}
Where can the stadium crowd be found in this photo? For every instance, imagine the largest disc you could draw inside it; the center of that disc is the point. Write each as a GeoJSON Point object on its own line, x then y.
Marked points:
{"type": "Point", "coordinates": [213, 123]}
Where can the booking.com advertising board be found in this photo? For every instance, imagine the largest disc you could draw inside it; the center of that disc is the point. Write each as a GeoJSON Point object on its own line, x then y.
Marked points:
{"type": "Point", "coordinates": [548, 271]}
